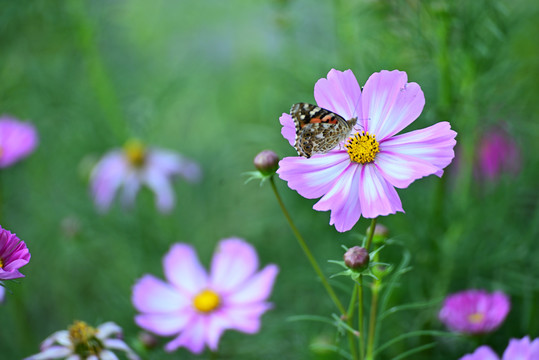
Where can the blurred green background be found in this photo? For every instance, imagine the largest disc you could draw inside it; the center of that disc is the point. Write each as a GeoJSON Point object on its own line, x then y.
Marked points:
{"type": "Point", "coordinates": [210, 79]}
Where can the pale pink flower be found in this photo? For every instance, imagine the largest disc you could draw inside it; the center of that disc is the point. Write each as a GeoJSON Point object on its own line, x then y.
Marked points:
{"type": "Point", "coordinates": [17, 140]}
{"type": "Point", "coordinates": [518, 349]}
{"type": "Point", "coordinates": [474, 311]}
{"type": "Point", "coordinates": [522, 349]}
{"type": "Point", "coordinates": [197, 307]}
{"type": "Point", "coordinates": [137, 165]}
{"type": "Point", "coordinates": [83, 342]}
{"type": "Point", "coordinates": [13, 255]}
{"type": "Point", "coordinates": [498, 154]}
{"type": "Point", "coordinates": [351, 189]}
{"type": "Point", "coordinates": [482, 353]}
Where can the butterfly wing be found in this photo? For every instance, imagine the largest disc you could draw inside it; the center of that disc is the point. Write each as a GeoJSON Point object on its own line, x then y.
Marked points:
{"type": "Point", "coordinates": [318, 130]}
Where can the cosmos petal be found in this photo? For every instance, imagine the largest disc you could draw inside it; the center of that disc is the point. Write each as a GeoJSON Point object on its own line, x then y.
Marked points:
{"type": "Point", "coordinates": [390, 103]}
{"type": "Point", "coordinates": [164, 324]}
{"type": "Point", "coordinates": [245, 318]}
{"type": "Point", "coordinates": [315, 176]}
{"type": "Point", "coordinates": [481, 353]}
{"type": "Point", "coordinates": [183, 269]}
{"type": "Point", "coordinates": [257, 288]}
{"type": "Point", "coordinates": [192, 337]}
{"type": "Point", "coordinates": [162, 188]}
{"type": "Point", "coordinates": [215, 326]}
{"type": "Point", "coordinates": [376, 194]}
{"type": "Point", "coordinates": [107, 177]}
{"type": "Point", "coordinates": [289, 129]}
{"type": "Point", "coordinates": [171, 163]}
{"type": "Point", "coordinates": [153, 295]}
{"type": "Point", "coordinates": [234, 261]}
{"type": "Point", "coordinates": [53, 352]}
{"type": "Point", "coordinates": [433, 145]}
{"type": "Point", "coordinates": [343, 199]}
{"type": "Point", "coordinates": [340, 93]}
{"type": "Point", "coordinates": [401, 170]}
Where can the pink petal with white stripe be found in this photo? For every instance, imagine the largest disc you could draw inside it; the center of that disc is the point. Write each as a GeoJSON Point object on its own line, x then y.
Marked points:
{"type": "Point", "coordinates": [340, 93]}
{"type": "Point", "coordinates": [315, 176]}
{"type": "Point", "coordinates": [192, 337]}
{"type": "Point", "coordinates": [433, 145]}
{"type": "Point", "coordinates": [107, 177]}
{"type": "Point", "coordinates": [376, 194]}
{"type": "Point", "coordinates": [289, 129]}
{"type": "Point", "coordinates": [153, 295]}
{"type": "Point", "coordinates": [343, 199]}
{"type": "Point", "coordinates": [183, 269]}
{"type": "Point", "coordinates": [165, 324]}
{"type": "Point", "coordinates": [390, 103]}
{"type": "Point", "coordinates": [234, 261]}
{"type": "Point", "coordinates": [257, 288]}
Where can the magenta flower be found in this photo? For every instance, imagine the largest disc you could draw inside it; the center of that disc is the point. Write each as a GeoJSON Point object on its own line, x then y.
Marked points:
{"type": "Point", "coordinates": [521, 349]}
{"type": "Point", "coordinates": [482, 353]}
{"type": "Point", "coordinates": [17, 140]}
{"type": "Point", "coordinates": [83, 342]}
{"type": "Point", "coordinates": [136, 165]}
{"type": "Point", "coordinates": [358, 177]}
{"type": "Point", "coordinates": [474, 311]}
{"type": "Point", "coordinates": [199, 307]}
{"type": "Point", "coordinates": [498, 153]}
{"type": "Point", "coordinates": [13, 255]}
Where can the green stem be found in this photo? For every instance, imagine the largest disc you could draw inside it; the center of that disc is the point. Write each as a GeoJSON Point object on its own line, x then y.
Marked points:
{"type": "Point", "coordinates": [370, 234]}
{"type": "Point", "coordinates": [349, 318]}
{"type": "Point", "coordinates": [372, 319]}
{"type": "Point", "coordinates": [307, 252]}
{"type": "Point", "coordinates": [361, 325]}
{"type": "Point", "coordinates": [374, 301]}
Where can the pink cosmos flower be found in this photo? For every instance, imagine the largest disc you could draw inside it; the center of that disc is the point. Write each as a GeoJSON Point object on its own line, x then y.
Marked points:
{"type": "Point", "coordinates": [474, 311]}
{"type": "Point", "coordinates": [521, 349]}
{"type": "Point", "coordinates": [382, 161]}
{"type": "Point", "coordinates": [13, 255]}
{"type": "Point", "coordinates": [498, 153]}
{"type": "Point", "coordinates": [2, 293]}
{"type": "Point", "coordinates": [17, 140]}
{"type": "Point", "coordinates": [199, 307]}
{"type": "Point", "coordinates": [136, 165]}
{"type": "Point", "coordinates": [83, 342]}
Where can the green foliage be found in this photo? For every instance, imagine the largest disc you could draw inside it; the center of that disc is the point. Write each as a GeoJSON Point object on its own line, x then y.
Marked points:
{"type": "Point", "coordinates": [210, 79]}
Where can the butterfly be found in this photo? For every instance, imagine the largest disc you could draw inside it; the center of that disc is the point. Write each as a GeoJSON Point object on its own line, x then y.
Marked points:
{"type": "Point", "coordinates": [318, 130]}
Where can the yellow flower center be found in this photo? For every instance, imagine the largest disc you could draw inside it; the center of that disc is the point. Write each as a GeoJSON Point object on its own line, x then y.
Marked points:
{"type": "Point", "coordinates": [1, 263]}
{"type": "Point", "coordinates": [135, 152]}
{"type": "Point", "coordinates": [84, 340]}
{"type": "Point", "coordinates": [476, 318]}
{"type": "Point", "coordinates": [362, 147]}
{"type": "Point", "coordinates": [206, 301]}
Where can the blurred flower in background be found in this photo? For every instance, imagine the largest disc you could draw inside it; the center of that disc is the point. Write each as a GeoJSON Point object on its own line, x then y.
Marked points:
{"type": "Point", "coordinates": [135, 165]}
{"type": "Point", "coordinates": [498, 154]}
{"type": "Point", "coordinates": [199, 307]}
{"type": "Point", "coordinates": [482, 353]}
{"type": "Point", "coordinates": [358, 178]}
{"type": "Point", "coordinates": [17, 140]}
{"type": "Point", "coordinates": [83, 342]}
{"type": "Point", "coordinates": [474, 311]}
{"type": "Point", "coordinates": [13, 255]}
{"type": "Point", "coordinates": [518, 349]}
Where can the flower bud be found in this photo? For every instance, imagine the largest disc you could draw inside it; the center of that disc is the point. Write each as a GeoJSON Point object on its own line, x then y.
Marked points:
{"type": "Point", "coordinates": [267, 162]}
{"type": "Point", "coordinates": [356, 258]}
{"type": "Point", "coordinates": [148, 340]}
{"type": "Point", "coordinates": [381, 233]}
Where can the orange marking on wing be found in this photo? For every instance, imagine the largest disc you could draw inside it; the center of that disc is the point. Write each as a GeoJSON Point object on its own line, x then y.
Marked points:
{"type": "Point", "coordinates": [330, 119]}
